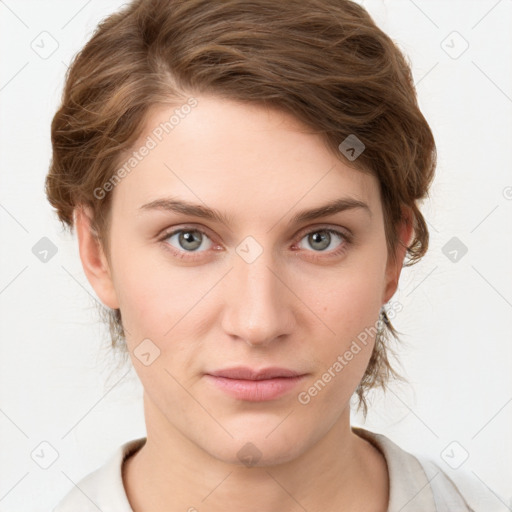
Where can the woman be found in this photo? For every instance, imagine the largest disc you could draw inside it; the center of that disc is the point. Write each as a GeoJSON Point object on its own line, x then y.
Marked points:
{"type": "Point", "coordinates": [244, 179]}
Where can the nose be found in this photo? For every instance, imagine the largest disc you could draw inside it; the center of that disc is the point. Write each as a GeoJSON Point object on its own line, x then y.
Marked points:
{"type": "Point", "coordinates": [260, 305]}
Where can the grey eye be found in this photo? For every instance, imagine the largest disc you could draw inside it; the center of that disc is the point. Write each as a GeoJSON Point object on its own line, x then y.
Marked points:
{"type": "Point", "coordinates": [321, 239]}
{"type": "Point", "coordinates": [188, 239]}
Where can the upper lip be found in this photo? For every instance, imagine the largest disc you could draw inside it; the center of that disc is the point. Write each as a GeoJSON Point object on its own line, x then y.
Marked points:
{"type": "Point", "coordinates": [246, 373]}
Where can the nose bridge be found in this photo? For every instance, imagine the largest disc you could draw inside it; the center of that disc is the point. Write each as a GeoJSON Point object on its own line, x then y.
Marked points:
{"type": "Point", "coordinates": [259, 310]}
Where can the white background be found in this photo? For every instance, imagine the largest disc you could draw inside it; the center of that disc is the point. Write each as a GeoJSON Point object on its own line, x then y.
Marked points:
{"type": "Point", "coordinates": [58, 381]}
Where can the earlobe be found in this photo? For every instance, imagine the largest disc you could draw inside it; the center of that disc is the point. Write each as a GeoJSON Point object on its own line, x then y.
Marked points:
{"type": "Point", "coordinates": [394, 268]}
{"type": "Point", "coordinates": [93, 259]}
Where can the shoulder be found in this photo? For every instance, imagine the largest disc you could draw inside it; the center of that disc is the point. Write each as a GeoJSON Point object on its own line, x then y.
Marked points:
{"type": "Point", "coordinates": [103, 488]}
{"type": "Point", "coordinates": [415, 483]}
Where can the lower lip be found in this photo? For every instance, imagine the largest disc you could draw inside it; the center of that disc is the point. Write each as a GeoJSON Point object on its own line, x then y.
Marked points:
{"type": "Point", "coordinates": [256, 390]}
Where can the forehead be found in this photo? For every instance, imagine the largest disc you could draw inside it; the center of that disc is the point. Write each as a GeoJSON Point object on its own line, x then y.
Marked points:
{"type": "Point", "coordinates": [238, 157]}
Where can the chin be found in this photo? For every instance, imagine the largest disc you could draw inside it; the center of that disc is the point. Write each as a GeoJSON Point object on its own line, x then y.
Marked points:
{"type": "Point", "coordinates": [251, 448]}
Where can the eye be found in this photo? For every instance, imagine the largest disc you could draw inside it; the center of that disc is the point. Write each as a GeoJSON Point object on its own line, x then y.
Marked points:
{"type": "Point", "coordinates": [191, 243]}
{"type": "Point", "coordinates": [325, 240]}
{"type": "Point", "coordinates": [186, 240]}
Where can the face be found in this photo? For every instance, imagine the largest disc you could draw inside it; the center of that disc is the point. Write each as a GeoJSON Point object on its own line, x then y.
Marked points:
{"type": "Point", "coordinates": [259, 285]}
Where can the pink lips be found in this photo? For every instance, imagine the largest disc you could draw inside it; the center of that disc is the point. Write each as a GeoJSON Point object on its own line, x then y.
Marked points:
{"type": "Point", "coordinates": [245, 383]}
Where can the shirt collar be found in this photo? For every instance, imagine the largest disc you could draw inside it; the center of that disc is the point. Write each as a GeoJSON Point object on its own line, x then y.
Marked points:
{"type": "Point", "coordinates": [409, 487]}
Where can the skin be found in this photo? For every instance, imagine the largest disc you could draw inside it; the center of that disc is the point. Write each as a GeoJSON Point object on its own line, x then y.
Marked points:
{"type": "Point", "coordinates": [295, 306]}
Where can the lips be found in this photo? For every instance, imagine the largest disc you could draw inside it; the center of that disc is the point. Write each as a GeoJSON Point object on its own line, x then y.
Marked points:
{"type": "Point", "coordinates": [252, 385]}
{"type": "Point", "coordinates": [245, 373]}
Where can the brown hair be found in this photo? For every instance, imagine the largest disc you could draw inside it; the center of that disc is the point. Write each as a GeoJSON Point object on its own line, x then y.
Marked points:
{"type": "Point", "coordinates": [323, 61]}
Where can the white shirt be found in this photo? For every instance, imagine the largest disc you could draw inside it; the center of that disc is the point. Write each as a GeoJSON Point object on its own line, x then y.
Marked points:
{"type": "Point", "coordinates": [415, 485]}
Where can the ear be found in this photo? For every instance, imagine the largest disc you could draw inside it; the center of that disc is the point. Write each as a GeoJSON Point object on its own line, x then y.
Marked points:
{"type": "Point", "coordinates": [394, 268]}
{"type": "Point", "coordinates": [93, 259]}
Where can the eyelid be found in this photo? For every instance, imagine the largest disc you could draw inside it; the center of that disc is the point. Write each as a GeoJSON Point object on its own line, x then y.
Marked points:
{"type": "Point", "coordinates": [327, 227]}
{"type": "Point", "coordinates": [167, 233]}
{"type": "Point", "coordinates": [303, 232]}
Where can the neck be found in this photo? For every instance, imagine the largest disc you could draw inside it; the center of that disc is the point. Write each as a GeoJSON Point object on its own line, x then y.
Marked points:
{"type": "Point", "coordinates": [340, 470]}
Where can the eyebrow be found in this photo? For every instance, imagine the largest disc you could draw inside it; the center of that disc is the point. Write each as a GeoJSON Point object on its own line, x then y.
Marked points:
{"type": "Point", "coordinates": [196, 210]}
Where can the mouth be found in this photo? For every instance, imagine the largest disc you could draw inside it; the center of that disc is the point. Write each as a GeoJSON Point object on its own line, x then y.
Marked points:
{"type": "Point", "coordinates": [251, 385]}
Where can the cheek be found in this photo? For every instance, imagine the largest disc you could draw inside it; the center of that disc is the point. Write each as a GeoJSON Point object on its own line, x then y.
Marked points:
{"type": "Point", "coordinates": [159, 299]}
{"type": "Point", "coordinates": [353, 302]}
{"type": "Point", "coordinates": [342, 357]}
{"type": "Point", "coordinates": [350, 306]}
{"type": "Point", "coordinates": [145, 289]}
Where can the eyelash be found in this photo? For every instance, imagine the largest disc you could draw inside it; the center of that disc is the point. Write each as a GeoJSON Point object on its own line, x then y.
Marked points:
{"type": "Point", "coordinates": [347, 241]}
